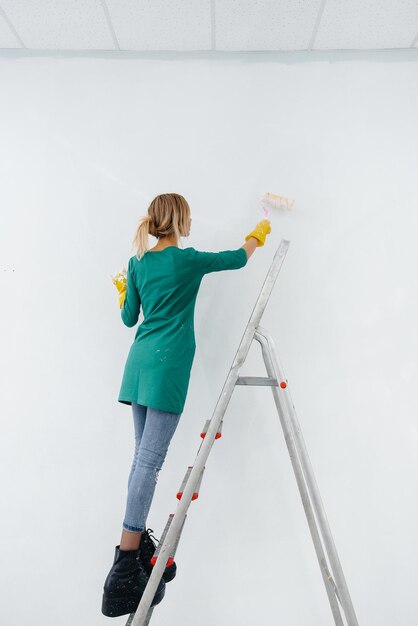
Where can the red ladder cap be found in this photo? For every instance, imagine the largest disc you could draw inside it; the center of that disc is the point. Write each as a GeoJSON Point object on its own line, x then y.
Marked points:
{"type": "Point", "coordinates": [180, 493]}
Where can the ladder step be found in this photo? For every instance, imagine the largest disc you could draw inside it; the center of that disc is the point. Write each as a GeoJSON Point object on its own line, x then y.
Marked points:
{"type": "Point", "coordinates": [258, 380]}
{"type": "Point", "coordinates": [205, 430]}
{"type": "Point", "coordinates": [170, 559]}
{"type": "Point", "coordinates": [183, 484]}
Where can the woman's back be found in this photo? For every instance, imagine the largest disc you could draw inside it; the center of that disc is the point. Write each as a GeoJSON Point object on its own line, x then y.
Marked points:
{"type": "Point", "coordinates": [165, 283]}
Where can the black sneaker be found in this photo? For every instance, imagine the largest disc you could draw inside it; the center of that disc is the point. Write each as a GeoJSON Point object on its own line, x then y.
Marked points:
{"type": "Point", "coordinates": [147, 548]}
{"type": "Point", "coordinates": [125, 584]}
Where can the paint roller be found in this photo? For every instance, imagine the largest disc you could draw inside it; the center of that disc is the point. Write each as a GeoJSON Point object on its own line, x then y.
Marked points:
{"type": "Point", "coordinates": [273, 201]}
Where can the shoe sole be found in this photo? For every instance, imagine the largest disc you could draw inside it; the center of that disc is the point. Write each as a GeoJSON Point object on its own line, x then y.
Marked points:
{"type": "Point", "coordinates": [116, 606]}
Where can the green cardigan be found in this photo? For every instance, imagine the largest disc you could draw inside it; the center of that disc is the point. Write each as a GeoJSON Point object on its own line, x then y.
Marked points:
{"type": "Point", "coordinates": [166, 283]}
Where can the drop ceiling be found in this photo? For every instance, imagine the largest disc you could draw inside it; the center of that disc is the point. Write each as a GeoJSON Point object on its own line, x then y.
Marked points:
{"type": "Point", "coordinates": [208, 25]}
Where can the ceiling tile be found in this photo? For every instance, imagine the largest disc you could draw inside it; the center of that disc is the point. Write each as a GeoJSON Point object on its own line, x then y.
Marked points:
{"type": "Point", "coordinates": [265, 25]}
{"type": "Point", "coordinates": [367, 24]}
{"type": "Point", "coordinates": [60, 24]}
{"type": "Point", "coordinates": [161, 24]}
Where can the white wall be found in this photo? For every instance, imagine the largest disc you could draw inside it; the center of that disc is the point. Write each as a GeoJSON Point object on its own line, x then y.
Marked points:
{"type": "Point", "coordinates": [86, 143]}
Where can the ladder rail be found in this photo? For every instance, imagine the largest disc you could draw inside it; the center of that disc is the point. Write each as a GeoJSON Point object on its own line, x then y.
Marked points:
{"type": "Point", "coordinates": [274, 367]}
{"type": "Point", "coordinates": [206, 445]}
{"type": "Point", "coordinates": [300, 479]}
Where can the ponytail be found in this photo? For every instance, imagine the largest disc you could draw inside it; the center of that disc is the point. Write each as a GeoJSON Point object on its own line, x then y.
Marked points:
{"type": "Point", "coordinates": [140, 241]}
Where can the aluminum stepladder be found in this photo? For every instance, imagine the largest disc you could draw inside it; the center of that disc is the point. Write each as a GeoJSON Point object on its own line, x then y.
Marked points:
{"type": "Point", "coordinates": [335, 584]}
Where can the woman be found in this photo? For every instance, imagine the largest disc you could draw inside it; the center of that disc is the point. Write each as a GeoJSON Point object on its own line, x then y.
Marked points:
{"type": "Point", "coordinates": [165, 280]}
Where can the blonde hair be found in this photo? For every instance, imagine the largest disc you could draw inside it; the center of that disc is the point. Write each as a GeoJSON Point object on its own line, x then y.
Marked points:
{"type": "Point", "coordinates": [168, 215]}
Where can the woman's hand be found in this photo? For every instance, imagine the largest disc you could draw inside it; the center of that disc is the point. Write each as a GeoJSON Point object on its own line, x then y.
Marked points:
{"type": "Point", "coordinates": [260, 232]}
{"type": "Point", "coordinates": [120, 283]}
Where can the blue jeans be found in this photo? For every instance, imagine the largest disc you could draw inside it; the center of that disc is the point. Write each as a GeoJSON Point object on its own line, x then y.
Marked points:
{"type": "Point", "coordinates": [153, 432]}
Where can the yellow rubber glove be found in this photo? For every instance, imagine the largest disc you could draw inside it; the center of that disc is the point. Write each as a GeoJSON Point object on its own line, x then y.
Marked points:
{"type": "Point", "coordinates": [260, 232]}
{"type": "Point", "coordinates": [120, 283]}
